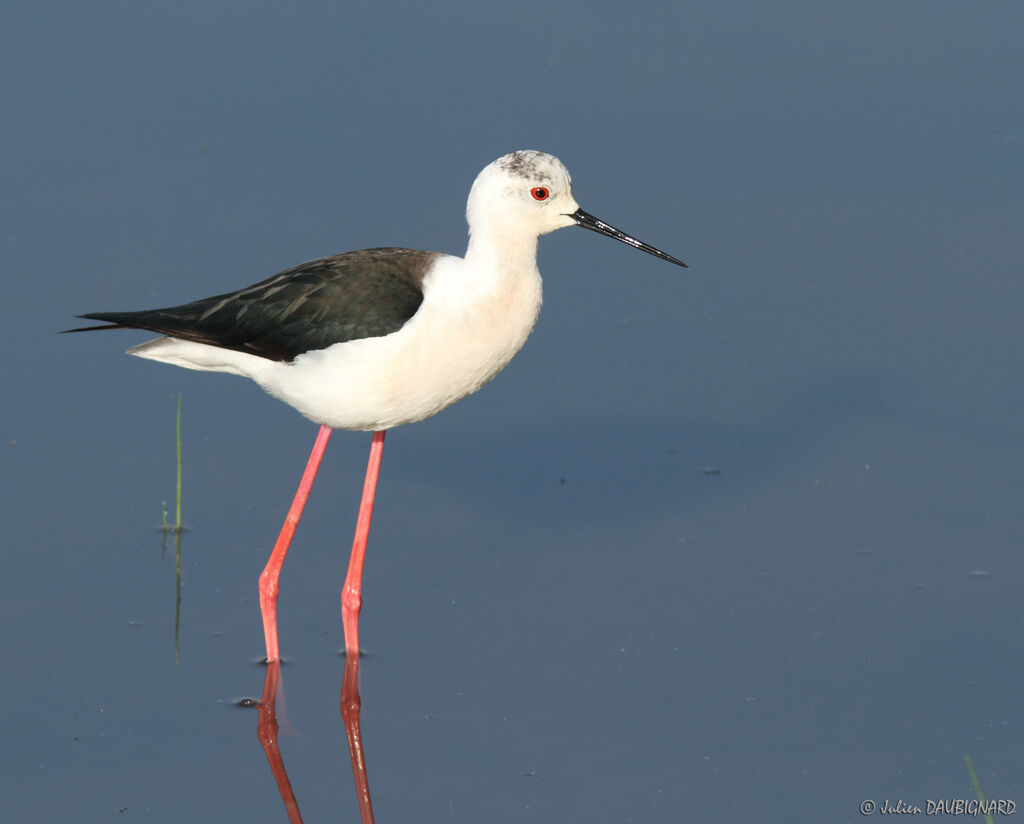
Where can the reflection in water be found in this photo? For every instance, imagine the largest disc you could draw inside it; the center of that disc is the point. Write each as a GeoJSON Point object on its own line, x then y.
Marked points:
{"type": "Point", "coordinates": [176, 530]}
{"type": "Point", "coordinates": [351, 706]}
{"type": "Point", "coordinates": [267, 729]}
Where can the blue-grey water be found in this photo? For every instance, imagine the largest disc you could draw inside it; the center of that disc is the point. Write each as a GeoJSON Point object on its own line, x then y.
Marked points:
{"type": "Point", "coordinates": [736, 543]}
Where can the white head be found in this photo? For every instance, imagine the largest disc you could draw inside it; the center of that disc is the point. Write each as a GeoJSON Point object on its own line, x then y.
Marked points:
{"type": "Point", "coordinates": [525, 191]}
{"type": "Point", "coordinates": [528, 193]}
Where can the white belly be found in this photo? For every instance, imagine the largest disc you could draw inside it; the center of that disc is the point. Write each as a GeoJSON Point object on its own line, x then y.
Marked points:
{"type": "Point", "coordinates": [466, 331]}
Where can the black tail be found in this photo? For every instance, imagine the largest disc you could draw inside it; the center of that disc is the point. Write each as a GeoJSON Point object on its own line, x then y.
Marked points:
{"type": "Point", "coordinates": [115, 320]}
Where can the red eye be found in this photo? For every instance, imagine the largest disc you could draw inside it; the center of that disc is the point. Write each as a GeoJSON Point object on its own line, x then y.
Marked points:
{"type": "Point", "coordinates": [539, 193]}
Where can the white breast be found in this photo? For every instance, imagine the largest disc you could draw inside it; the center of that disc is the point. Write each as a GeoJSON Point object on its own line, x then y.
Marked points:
{"type": "Point", "coordinates": [471, 323]}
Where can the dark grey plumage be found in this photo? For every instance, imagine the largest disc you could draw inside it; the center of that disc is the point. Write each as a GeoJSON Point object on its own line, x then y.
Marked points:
{"type": "Point", "coordinates": [346, 297]}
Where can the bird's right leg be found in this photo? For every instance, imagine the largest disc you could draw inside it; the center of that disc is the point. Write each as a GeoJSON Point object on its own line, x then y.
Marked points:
{"type": "Point", "coordinates": [269, 586]}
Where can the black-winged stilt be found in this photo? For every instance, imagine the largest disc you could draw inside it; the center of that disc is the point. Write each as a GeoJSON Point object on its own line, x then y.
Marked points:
{"type": "Point", "coordinates": [373, 339]}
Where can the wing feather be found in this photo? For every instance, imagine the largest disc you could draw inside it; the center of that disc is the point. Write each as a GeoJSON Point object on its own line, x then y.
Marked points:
{"type": "Point", "coordinates": [311, 306]}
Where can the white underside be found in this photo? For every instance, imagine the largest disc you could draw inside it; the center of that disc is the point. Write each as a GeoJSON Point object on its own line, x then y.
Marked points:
{"type": "Point", "coordinates": [472, 322]}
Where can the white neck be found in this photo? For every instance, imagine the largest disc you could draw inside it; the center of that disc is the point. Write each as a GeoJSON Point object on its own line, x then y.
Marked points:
{"type": "Point", "coordinates": [505, 254]}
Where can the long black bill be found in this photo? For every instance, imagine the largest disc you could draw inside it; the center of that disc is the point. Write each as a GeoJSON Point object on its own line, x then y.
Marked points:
{"type": "Point", "coordinates": [588, 221]}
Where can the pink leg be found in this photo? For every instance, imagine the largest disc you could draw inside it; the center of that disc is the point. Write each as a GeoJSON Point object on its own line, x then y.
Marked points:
{"type": "Point", "coordinates": [351, 595]}
{"type": "Point", "coordinates": [269, 586]}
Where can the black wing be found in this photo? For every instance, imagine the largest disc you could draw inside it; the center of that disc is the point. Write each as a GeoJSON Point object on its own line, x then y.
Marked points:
{"type": "Point", "coordinates": [346, 297]}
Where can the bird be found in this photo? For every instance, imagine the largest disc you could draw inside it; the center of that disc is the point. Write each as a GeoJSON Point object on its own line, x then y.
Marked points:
{"type": "Point", "coordinates": [373, 339]}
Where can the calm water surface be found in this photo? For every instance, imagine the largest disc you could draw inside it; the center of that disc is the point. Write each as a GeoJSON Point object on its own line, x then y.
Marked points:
{"type": "Point", "coordinates": [736, 543]}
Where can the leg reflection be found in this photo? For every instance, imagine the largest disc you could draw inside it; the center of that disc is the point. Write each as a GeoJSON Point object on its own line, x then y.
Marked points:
{"type": "Point", "coordinates": [351, 705]}
{"type": "Point", "coordinates": [266, 729]}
